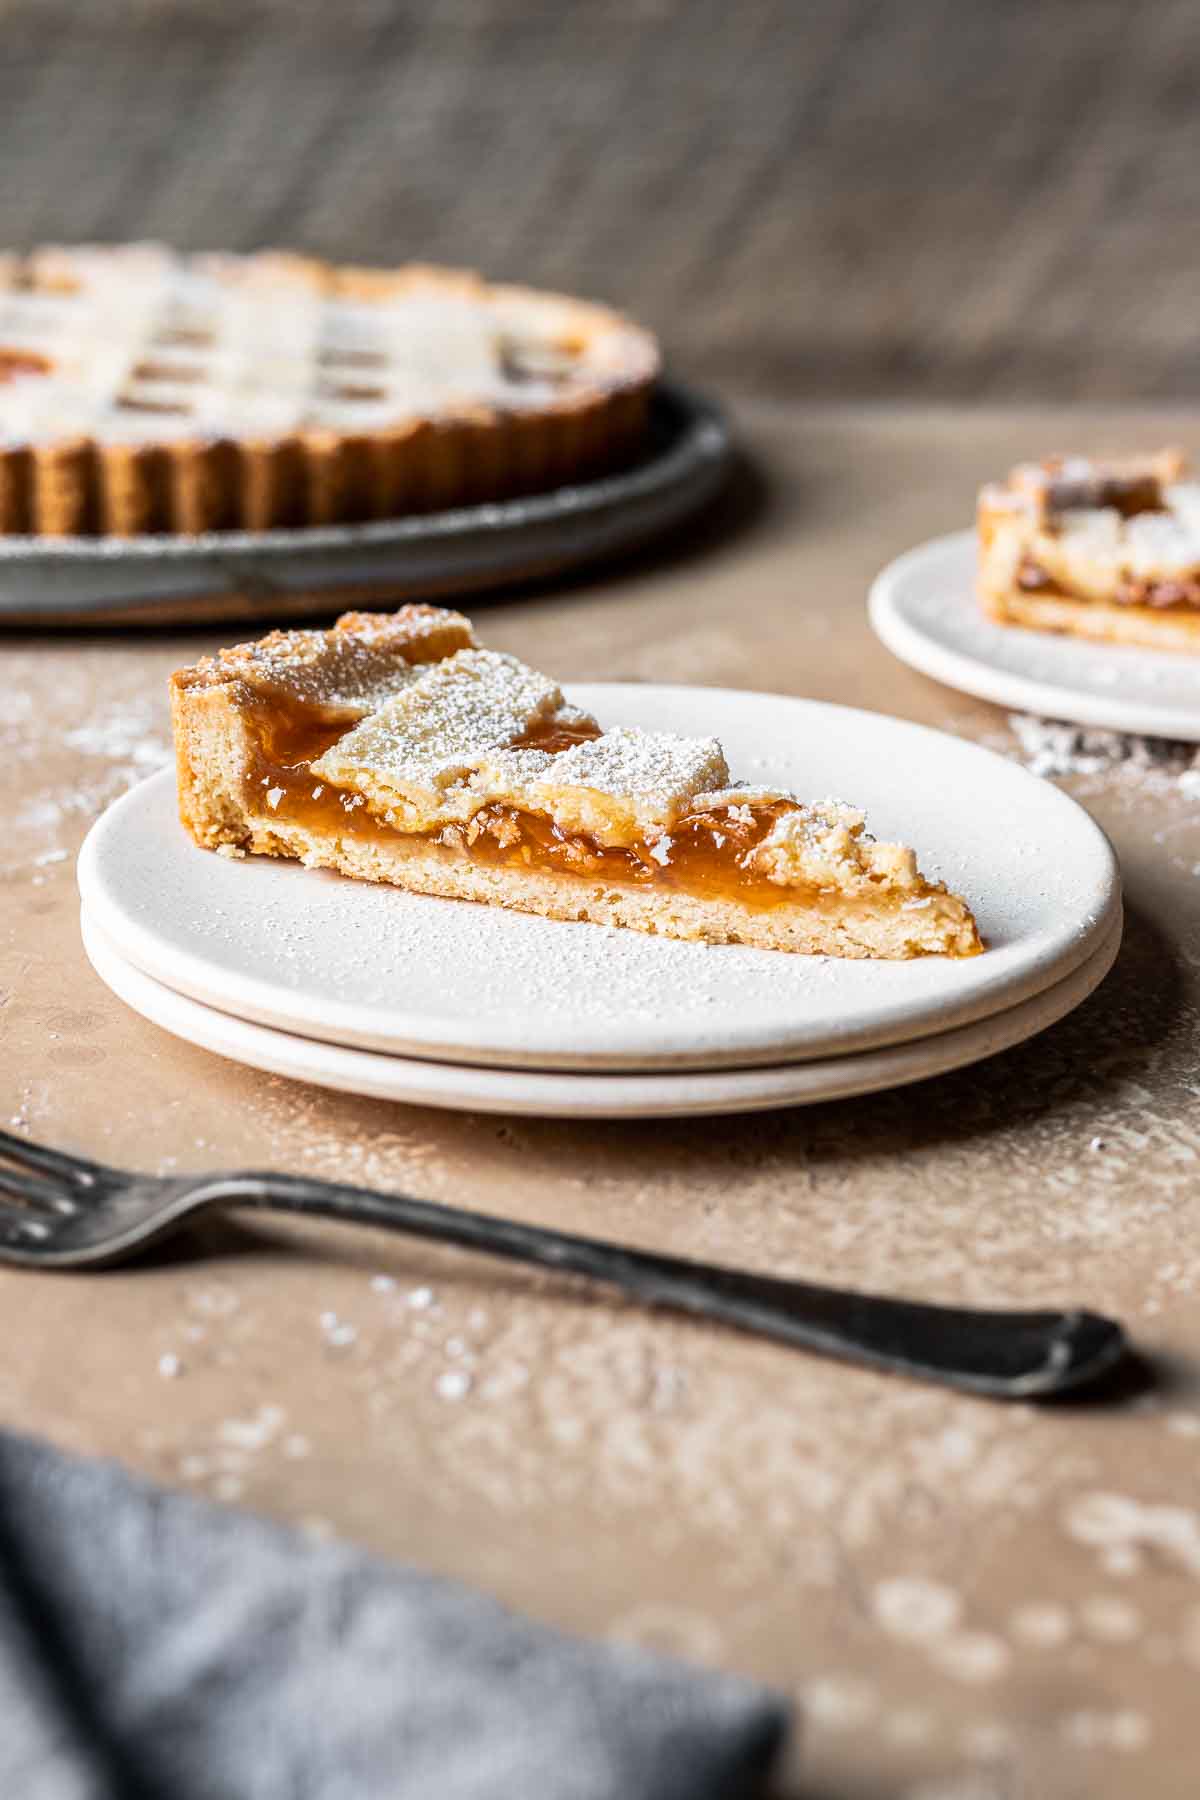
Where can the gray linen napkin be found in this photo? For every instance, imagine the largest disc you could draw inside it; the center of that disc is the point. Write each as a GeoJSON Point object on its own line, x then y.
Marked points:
{"type": "Point", "coordinates": [154, 1647]}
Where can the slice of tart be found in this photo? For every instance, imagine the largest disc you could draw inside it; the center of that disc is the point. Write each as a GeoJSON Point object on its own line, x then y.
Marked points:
{"type": "Point", "coordinates": [1108, 549]}
{"type": "Point", "coordinates": [394, 749]}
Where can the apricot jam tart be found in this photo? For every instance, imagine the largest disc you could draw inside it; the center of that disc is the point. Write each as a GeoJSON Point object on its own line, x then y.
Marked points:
{"type": "Point", "coordinates": [394, 749]}
{"type": "Point", "coordinates": [146, 391]}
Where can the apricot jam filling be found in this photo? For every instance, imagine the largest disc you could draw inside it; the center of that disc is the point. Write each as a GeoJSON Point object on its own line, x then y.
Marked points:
{"type": "Point", "coordinates": [705, 858]}
{"type": "Point", "coordinates": [22, 362]}
{"type": "Point", "coordinates": [1182, 594]}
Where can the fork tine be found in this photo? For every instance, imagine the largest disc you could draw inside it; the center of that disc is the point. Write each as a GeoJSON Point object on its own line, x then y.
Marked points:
{"type": "Point", "coordinates": [22, 1222]}
{"type": "Point", "coordinates": [50, 1162]}
{"type": "Point", "coordinates": [32, 1189]}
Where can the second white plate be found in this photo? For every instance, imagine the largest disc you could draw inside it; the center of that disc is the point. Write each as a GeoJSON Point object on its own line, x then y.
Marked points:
{"type": "Point", "coordinates": [535, 1093]}
{"type": "Point", "coordinates": [367, 966]}
{"type": "Point", "coordinates": [923, 606]}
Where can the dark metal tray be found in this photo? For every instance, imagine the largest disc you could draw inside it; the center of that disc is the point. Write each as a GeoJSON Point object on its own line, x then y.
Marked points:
{"type": "Point", "coordinates": [238, 574]}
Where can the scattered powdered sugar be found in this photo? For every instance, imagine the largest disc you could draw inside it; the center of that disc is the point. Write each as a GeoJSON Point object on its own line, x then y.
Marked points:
{"type": "Point", "coordinates": [972, 1656]}
{"type": "Point", "coordinates": [914, 1608]}
{"type": "Point", "coordinates": [1051, 748]}
{"type": "Point", "coordinates": [454, 1384]}
{"type": "Point", "coordinates": [338, 1333]}
{"type": "Point", "coordinates": [57, 796]}
{"type": "Point", "coordinates": [1124, 1729]}
{"type": "Point", "coordinates": [1110, 1618]}
{"type": "Point", "coordinates": [125, 733]}
{"type": "Point", "coordinates": [839, 1702]}
{"type": "Point", "coordinates": [1042, 1625]}
{"type": "Point", "coordinates": [255, 1432]}
{"type": "Point", "coordinates": [928, 1614]}
{"type": "Point", "coordinates": [1116, 1522]}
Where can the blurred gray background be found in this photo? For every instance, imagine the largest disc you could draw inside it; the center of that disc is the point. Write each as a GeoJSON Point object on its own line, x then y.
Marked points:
{"type": "Point", "coordinates": [938, 198]}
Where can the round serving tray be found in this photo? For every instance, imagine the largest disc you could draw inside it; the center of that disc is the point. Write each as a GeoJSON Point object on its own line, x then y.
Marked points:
{"type": "Point", "coordinates": [239, 574]}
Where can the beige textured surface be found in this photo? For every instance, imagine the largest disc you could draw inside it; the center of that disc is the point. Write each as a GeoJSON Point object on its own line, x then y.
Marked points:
{"type": "Point", "coordinates": [941, 1581]}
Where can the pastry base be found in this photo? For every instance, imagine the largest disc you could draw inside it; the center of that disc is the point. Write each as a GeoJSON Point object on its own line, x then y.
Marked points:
{"type": "Point", "coordinates": [1104, 622]}
{"type": "Point", "coordinates": [822, 926]}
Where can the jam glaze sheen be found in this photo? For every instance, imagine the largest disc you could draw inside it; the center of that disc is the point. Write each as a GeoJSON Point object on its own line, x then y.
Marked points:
{"type": "Point", "coordinates": [706, 854]}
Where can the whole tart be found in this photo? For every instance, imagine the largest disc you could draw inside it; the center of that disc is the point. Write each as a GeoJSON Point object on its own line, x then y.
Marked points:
{"type": "Point", "coordinates": [1105, 548]}
{"type": "Point", "coordinates": [145, 391]}
{"type": "Point", "coordinates": [394, 748]}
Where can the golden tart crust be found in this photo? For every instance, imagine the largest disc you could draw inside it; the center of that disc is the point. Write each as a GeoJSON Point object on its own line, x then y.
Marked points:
{"type": "Point", "coordinates": [142, 391]}
{"type": "Point", "coordinates": [394, 748]}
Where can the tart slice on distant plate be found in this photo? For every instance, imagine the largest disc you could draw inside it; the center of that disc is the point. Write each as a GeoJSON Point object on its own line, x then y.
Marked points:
{"type": "Point", "coordinates": [1106, 549]}
{"type": "Point", "coordinates": [394, 749]}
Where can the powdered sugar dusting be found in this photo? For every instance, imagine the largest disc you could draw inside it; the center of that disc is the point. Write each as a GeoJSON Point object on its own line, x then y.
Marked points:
{"type": "Point", "coordinates": [430, 732]}
{"type": "Point", "coordinates": [352, 669]}
{"type": "Point", "coordinates": [1051, 748]}
{"type": "Point", "coordinates": [656, 771]}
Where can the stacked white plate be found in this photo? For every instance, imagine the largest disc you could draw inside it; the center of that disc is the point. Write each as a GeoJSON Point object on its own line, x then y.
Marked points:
{"type": "Point", "coordinates": [924, 608]}
{"type": "Point", "coordinates": [441, 1003]}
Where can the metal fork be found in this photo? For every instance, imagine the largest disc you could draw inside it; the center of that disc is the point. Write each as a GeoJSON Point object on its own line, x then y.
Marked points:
{"type": "Point", "coordinates": [66, 1212]}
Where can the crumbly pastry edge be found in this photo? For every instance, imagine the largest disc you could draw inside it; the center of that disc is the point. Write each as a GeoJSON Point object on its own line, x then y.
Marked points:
{"type": "Point", "coordinates": [85, 487]}
{"type": "Point", "coordinates": [1099, 621]}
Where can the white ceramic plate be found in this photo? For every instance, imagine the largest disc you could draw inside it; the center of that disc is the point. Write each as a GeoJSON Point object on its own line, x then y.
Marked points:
{"type": "Point", "coordinates": [367, 966]}
{"type": "Point", "coordinates": [415, 1082]}
{"type": "Point", "coordinates": [924, 608]}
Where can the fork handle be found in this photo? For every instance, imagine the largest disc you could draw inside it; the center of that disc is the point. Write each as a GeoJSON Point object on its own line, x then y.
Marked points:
{"type": "Point", "coordinates": [1007, 1355]}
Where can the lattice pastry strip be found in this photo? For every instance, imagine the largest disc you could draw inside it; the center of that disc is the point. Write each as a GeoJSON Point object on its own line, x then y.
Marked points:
{"type": "Point", "coordinates": [344, 674]}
